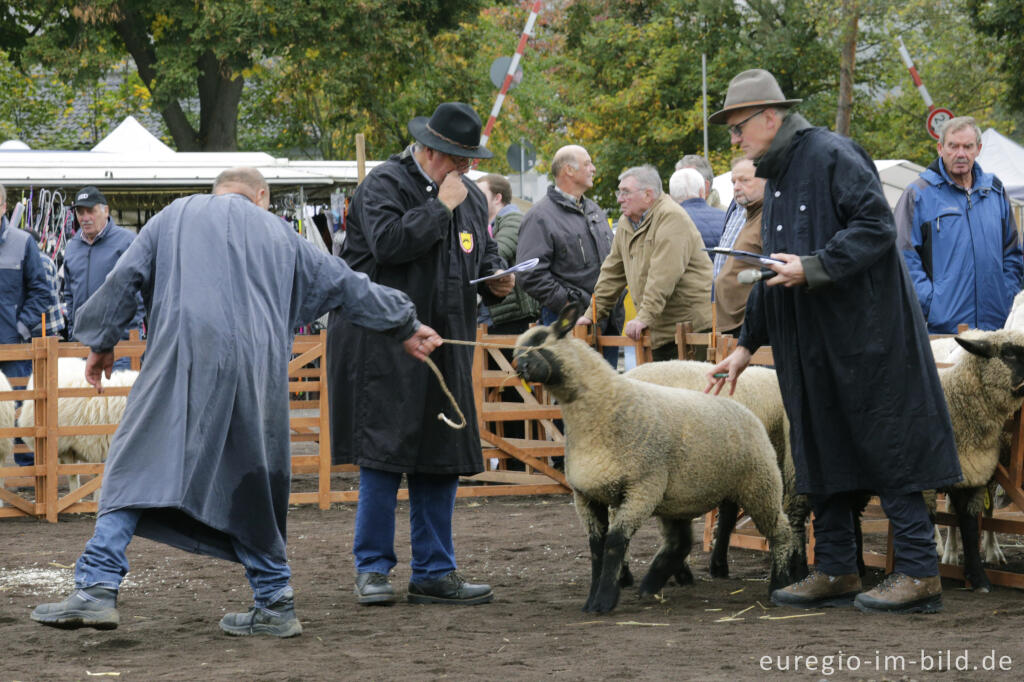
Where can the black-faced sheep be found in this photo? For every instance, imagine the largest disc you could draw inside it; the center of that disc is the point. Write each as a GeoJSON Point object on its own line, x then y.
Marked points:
{"type": "Point", "coordinates": [982, 391]}
{"type": "Point", "coordinates": [101, 409]}
{"type": "Point", "coordinates": [635, 449]}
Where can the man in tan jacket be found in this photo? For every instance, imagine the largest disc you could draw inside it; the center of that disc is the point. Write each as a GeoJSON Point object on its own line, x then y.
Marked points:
{"type": "Point", "coordinates": [730, 293]}
{"type": "Point", "coordinates": [657, 252]}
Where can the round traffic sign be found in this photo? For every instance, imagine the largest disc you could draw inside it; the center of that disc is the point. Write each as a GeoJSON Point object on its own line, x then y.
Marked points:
{"type": "Point", "coordinates": [499, 69]}
{"type": "Point", "coordinates": [936, 118]}
{"type": "Point", "coordinates": [521, 157]}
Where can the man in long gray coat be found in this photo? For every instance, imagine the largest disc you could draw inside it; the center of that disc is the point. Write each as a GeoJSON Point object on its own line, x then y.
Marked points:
{"type": "Point", "coordinates": [201, 460]}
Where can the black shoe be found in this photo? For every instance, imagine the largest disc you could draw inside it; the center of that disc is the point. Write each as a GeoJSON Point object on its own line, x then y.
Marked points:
{"type": "Point", "coordinates": [92, 607]}
{"type": "Point", "coordinates": [451, 589]}
{"type": "Point", "coordinates": [374, 588]}
{"type": "Point", "coordinates": [277, 619]}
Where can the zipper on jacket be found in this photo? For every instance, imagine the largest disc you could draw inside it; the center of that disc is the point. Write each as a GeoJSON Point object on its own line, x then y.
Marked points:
{"type": "Point", "coordinates": [582, 251]}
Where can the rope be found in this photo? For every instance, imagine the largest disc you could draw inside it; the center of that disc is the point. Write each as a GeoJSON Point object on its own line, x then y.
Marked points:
{"type": "Point", "coordinates": [444, 386]}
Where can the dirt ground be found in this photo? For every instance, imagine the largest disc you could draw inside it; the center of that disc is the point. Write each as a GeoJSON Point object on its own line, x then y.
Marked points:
{"type": "Point", "coordinates": [534, 553]}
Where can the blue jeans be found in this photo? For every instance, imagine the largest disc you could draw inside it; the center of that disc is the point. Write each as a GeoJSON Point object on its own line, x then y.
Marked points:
{"type": "Point", "coordinates": [611, 353]}
{"type": "Point", "coordinates": [431, 505]}
{"type": "Point", "coordinates": [105, 563]}
{"type": "Point", "coordinates": [19, 368]}
{"type": "Point", "coordinates": [835, 546]}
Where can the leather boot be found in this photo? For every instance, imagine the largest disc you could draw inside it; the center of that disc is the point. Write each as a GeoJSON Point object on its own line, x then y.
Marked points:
{"type": "Point", "coordinates": [277, 620]}
{"type": "Point", "coordinates": [819, 589]}
{"type": "Point", "coordinates": [901, 593]}
{"type": "Point", "coordinates": [374, 588]}
{"type": "Point", "coordinates": [450, 589]}
{"type": "Point", "coordinates": [92, 607]}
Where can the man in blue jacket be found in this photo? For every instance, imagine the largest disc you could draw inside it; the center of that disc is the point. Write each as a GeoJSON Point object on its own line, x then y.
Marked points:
{"type": "Point", "coordinates": [958, 237]}
{"type": "Point", "coordinates": [25, 294]}
{"type": "Point", "coordinates": [91, 254]}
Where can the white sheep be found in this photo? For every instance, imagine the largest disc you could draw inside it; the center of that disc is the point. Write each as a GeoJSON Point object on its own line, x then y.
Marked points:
{"type": "Point", "coordinates": [946, 350]}
{"type": "Point", "coordinates": [6, 421]}
{"type": "Point", "coordinates": [635, 449]}
{"type": "Point", "coordinates": [982, 391]}
{"type": "Point", "coordinates": [101, 409]}
{"type": "Point", "coordinates": [759, 392]}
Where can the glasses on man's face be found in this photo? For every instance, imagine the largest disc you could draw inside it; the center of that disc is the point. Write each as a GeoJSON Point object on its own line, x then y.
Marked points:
{"type": "Point", "coordinates": [619, 194]}
{"type": "Point", "coordinates": [737, 130]}
{"type": "Point", "coordinates": [461, 162]}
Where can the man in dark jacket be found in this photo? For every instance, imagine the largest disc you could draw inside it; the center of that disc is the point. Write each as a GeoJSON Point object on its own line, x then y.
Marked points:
{"type": "Point", "coordinates": [417, 225]}
{"type": "Point", "coordinates": [858, 380]}
{"type": "Point", "coordinates": [688, 189]}
{"type": "Point", "coordinates": [570, 236]}
{"type": "Point", "coordinates": [91, 254]}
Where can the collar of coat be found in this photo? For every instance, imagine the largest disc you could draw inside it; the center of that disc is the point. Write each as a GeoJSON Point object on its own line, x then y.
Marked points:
{"type": "Point", "coordinates": [773, 162]}
{"type": "Point", "coordinates": [567, 201]}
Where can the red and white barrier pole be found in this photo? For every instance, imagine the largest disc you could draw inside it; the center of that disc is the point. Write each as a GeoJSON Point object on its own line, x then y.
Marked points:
{"type": "Point", "coordinates": [913, 74]}
{"type": "Point", "coordinates": [513, 65]}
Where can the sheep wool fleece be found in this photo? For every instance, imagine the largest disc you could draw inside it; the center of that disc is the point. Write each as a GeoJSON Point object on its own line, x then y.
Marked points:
{"type": "Point", "coordinates": [203, 447]}
{"type": "Point", "coordinates": [860, 387]}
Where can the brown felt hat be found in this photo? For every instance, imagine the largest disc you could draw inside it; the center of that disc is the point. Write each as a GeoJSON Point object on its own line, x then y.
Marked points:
{"type": "Point", "coordinates": [753, 88]}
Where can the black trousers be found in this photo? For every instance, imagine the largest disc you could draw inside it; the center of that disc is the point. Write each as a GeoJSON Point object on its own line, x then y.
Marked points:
{"type": "Point", "coordinates": [835, 545]}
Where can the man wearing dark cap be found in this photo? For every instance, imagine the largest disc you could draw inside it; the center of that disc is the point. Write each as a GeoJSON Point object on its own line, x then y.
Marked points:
{"type": "Point", "coordinates": [416, 224]}
{"type": "Point", "coordinates": [91, 254]}
{"type": "Point", "coordinates": [858, 381]}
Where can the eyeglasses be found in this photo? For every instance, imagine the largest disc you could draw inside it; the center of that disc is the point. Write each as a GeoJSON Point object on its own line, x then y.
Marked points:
{"type": "Point", "coordinates": [626, 192]}
{"type": "Point", "coordinates": [737, 130]}
{"type": "Point", "coordinates": [460, 161]}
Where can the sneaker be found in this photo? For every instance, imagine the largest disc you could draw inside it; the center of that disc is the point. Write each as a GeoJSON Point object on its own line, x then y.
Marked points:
{"type": "Point", "coordinates": [92, 607]}
{"type": "Point", "coordinates": [819, 589]}
{"type": "Point", "coordinates": [901, 593]}
{"type": "Point", "coordinates": [374, 588]}
{"type": "Point", "coordinates": [277, 620]}
{"type": "Point", "coordinates": [450, 589]}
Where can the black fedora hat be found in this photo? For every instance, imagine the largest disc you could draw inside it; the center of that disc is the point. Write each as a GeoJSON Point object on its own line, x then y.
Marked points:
{"type": "Point", "coordinates": [752, 88]}
{"type": "Point", "coordinates": [454, 128]}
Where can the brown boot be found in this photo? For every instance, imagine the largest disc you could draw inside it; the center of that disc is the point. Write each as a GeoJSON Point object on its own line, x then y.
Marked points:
{"type": "Point", "coordinates": [901, 593]}
{"type": "Point", "coordinates": [819, 589]}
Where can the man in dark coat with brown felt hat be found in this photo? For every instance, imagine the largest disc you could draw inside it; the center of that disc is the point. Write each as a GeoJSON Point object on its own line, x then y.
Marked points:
{"type": "Point", "coordinates": [417, 225]}
{"type": "Point", "coordinates": [858, 380]}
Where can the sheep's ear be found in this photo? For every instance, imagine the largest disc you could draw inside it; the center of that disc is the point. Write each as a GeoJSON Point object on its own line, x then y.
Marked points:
{"type": "Point", "coordinates": [978, 347]}
{"type": "Point", "coordinates": [567, 318]}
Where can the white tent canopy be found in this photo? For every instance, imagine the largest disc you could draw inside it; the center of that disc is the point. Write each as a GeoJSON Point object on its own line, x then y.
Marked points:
{"type": "Point", "coordinates": [895, 174]}
{"type": "Point", "coordinates": [1004, 157]}
{"type": "Point", "coordinates": [132, 158]}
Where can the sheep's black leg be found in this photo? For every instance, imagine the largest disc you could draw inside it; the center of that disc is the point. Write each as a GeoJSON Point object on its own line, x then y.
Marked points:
{"type": "Point", "coordinates": [677, 538]}
{"type": "Point", "coordinates": [968, 524]}
{"type": "Point", "coordinates": [718, 565]}
{"type": "Point", "coordinates": [798, 510]}
{"type": "Point", "coordinates": [595, 519]}
{"type": "Point", "coordinates": [606, 596]}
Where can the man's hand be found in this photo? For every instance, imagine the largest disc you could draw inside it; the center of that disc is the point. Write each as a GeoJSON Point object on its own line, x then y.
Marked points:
{"type": "Point", "coordinates": [791, 274]}
{"type": "Point", "coordinates": [452, 191]}
{"type": "Point", "coordinates": [635, 329]}
{"type": "Point", "coordinates": [422, 342]}
{"type": "Point", "coordinates": [96, 365]}
{"type": "Point", "coordinates": [583, 319]}
{"type": "Point", "coordinates": [502, 286]}
{"type": "Point", "coordinates": [730, 369]}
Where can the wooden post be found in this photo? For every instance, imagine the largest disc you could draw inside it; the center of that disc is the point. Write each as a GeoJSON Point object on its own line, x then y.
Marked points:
{"type": "Point", "coordinates": [136, 361]}
{"type": "Point", "coordinates": [45, 366]}
{"type": "Point", "coordinates": [360, 158]}
{"type": "Point", "coordinates": [324, 472]}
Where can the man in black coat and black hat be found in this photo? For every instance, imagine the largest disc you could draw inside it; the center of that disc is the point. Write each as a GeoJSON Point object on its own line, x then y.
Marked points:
{"type": "Point", "coordinates": [417, 225]}
{"type": "Point", "coordinates": [858, 380]}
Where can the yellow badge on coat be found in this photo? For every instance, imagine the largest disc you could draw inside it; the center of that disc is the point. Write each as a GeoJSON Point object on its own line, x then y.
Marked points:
{"type": "Point", "coordinates": [466, 241]}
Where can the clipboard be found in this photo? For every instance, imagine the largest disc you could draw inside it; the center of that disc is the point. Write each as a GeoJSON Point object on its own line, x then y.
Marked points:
{"type": "Point", "coordinates": [745, 256]}
{"type": "Point", "coordinates": [528, 264]}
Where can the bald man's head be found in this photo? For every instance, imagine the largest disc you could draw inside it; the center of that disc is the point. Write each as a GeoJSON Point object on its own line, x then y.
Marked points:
{"type": "Point", "coordinates": [573, 170]}
{"type": "Point", "coordinates": [246, 181]}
